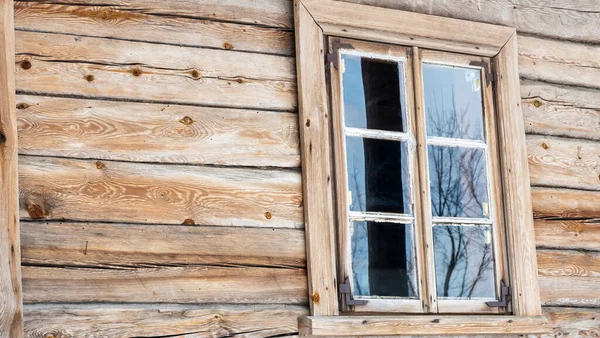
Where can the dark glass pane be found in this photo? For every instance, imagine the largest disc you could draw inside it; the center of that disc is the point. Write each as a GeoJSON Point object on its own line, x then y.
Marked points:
{"type": "Point", "coordinates": [453, 102]}
{"type": "Point", "coordinates": [378, 175]}
{"type": "Point", "coordinates": [458, 181]}
{"type": "Point", "coordinates": [464, 261]}
{"type": "Point", "coordinates": [372, 93]}
{"type": "Point", "coordinates": [383, 261]}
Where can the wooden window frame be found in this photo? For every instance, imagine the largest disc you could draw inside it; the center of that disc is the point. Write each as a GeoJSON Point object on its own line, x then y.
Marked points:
{"type": "Point", "coordinates": [315, 20]}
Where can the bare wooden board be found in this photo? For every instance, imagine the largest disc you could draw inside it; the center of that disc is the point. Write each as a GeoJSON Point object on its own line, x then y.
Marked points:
{"type": "Point", "coordinates": [564, 163]}
{"type": "Point", "coordinates": [573, 322]}
{"type": "Point", "coordinates": [567, 234]}
{"type": "Point", "coordinates": [570, 291]}
{"type": "Point", "coordinates": [565, 203]}
{"type": "Point", "coordinates": [561, 62]}
{"type": "Point", "coordinates": [564, 19]}
{"type": "Point", "coordinates": [11, 307]}
{"type": "Point", "coordinates": [168, 22]}
{"type": "Point", "coordinates": [148, 77]}
{"type": "Point", "coordinates": [241, 285]}
{"type": "Point", "coordinates": [140, 320]}
{"type": "Point", "coordinates": [568, 263]}
{"type": "Point", "coordinates": [128, 245]}
{"type": "Point", "coordinates": [559, 110]}
{"type": "Point", "coordinates": [88, 190]}
{"type": "Point", "coordinates": [145, 132]}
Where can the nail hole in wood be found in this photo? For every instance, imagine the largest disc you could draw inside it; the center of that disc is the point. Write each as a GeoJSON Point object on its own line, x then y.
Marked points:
{"type": "Point", "coordinates": [26, 64]}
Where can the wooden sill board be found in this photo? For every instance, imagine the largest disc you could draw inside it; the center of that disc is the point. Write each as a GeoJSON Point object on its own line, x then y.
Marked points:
{"type": "Point", "coordinates": [430, 325]}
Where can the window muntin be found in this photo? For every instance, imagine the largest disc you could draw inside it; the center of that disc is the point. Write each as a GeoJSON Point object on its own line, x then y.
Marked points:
{"type": "Point", "coordinates": [460, 139]}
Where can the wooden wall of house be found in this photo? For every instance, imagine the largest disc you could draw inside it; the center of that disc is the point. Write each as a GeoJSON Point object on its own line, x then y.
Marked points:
{"type": "Point", "coordinates": [160, 189]}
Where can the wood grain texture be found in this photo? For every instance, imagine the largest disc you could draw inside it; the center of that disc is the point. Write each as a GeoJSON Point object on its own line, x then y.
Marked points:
{"type": "Point", "coordinates": [127, 245]}
{"type": "Point", "coordinates": [240, 285]}
{"type": "Point", "coordinates": [316, 164]}
{"type": "Point", "coordinates": [573, 322]}
{"type": "Point", "coordinates": [570, 291]}
{"type": "Point", "coordinates": [567, 234]}
{"type": "Point", "coordinates": [87, 190]}
{"type": "Point", "coordinates": [564, 163]}
{"type": "Point", "coordinates": [563, 19]}
{"type": "Point", "coordinates": [140, 320]}
{"type": "Point", "coordinates": [143, 132]}
{"type": "Point", "coordinates": [556, 203]}
{"type": "Point", "coordinates": [11, 307]}
{"type": "Point", "coordinates": [516, 184]}
{"type": "Point", "coordinates": [561, 62]}
{"type": "Point", "coordinates": [141, 71]}
{"type": "Point", "coordinates": [568, 263]}
{"type": "Point", "coordinates": [559, 110]}
{"type": "Point", "coordinates": [419, 325]}
{"type": "Point", "coordinates": [170, 23]}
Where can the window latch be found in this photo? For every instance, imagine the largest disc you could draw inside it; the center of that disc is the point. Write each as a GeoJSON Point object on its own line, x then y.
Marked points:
{"type": "Point", "coordinates": [505, 297]}
{"type": "Point", "coordinates": [489, 75]}
{"type": "Point", "coordinates": [345, 291]}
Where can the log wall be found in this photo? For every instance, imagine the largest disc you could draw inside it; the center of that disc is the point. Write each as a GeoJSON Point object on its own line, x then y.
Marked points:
{"type": "Point", "coordinates": [160, 187]}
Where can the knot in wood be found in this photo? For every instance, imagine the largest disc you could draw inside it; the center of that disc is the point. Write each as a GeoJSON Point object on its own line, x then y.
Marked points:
{"type": "Point", "coordinates": [545, 146]}
{"type": "Point", "coordinates": [189, 221]}
{"type": "Point", "coordinates": [136, 72]}
{"type": "Point", "coordinates": [89, 78]}
{"type": "Point", "coordinates": [22, 106]}
{"type": "Point", "coordinates": [316, 297]}
{"type": "Point", "coordinates": [99, 165]}
{"type": "Point", "coordinates": [268, 215]}
{"type": "Point", "coordinates": [2, 137]}
{"type": "Point", "coordinates": [186, 120]}
{"type": "Point", "coordinates": [537, 103]}
{"type": "Point", "coordinates": [228, 45]}
{"type": "Point", "coordinates": [195, 74]}
{"type": "Point", "coordinates": [35, 211]}
{"type": "Point", "coordinates": [26, 64]}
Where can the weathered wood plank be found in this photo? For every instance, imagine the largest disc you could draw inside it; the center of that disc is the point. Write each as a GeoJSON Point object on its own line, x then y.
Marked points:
{"type": "Point", "coordinates": [91, 244]}
{"type": "Point", "coordinates": [145, 76]}
{"type": "Point", "coordinates": [273, 13]}
{"type": "Point", "coordinates": [240, 285]}
{"type": "Point", "coordinates": [565, 203]}
{"type": "Point", "coordinates": [570, 291]}
{"type": "Point", "coordinates": [159, 22]}
{"type": "Point", "coordinates": [567, 234]}
{"type": "Point", "coordinates": [561, 110]}
{"type": "Point", "coordinates": [559, 61]}
{"type": "Point", "coordinates": [140, 320]}
{"type": "Point", "coordinates": [573, 322]}
{"type": "Point", "coordinates": [568, 263]}
{"type": "Point", "coordinates": [87, 190]}
{"type": "Point", "coordinates": [11, 307]}
{"type": "Point", "coordinates": [564, 19]}
{"type": "Point", "coordinates": [33, 46]}
{"type": "Point", "coordinates": [564, 163]}
{"type": "Point", "coordinates": [145, 132]}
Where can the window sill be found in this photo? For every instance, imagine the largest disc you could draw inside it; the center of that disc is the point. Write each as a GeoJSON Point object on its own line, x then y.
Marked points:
{"type": "Point", "coordinates": [421, 325]}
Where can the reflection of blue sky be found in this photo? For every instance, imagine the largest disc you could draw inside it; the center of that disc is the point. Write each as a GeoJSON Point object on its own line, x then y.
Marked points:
{"type": "Point", "coordinates": [453, 101]}
{"type": "Point", "coordinates": [354, 95]}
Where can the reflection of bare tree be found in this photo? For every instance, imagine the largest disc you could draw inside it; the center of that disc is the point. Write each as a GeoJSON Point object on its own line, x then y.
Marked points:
{"type": "Point", "coordinates": [458, 189]}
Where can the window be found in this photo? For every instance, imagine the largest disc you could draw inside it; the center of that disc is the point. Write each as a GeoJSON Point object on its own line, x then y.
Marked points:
{"type": "Point", "coordinates": [416, 187]}
{"type": "Point", "coordinates": [386, 213]}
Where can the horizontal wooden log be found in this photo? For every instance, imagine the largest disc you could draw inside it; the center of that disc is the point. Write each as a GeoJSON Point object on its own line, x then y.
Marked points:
{"type": "Point", "coordinates": [559, 61]}
{"type": "Point", "coordinates": [564, 163]}
{"type": "Point", "coordinates": [568, 263]}
{"type": "Point", "coordinates": [141, 320]}
{"type": "Point", "coordinates": [573, 322]}
{"type": "Point", "coordinates": [171, 23]}
{"type": "Point", "coordinates": [240, 285]}
{"type": "Point", "coordinates": [145, 132]}
{"type": "Point", "coordinates": [142, 80]}
{"type": "Point", "coordinates": [274, 13]}
{"type": "Point", "coordinates": [564, 19]}
{"type": "Point", "coordinates": [117, 245]}
{"type": "Point", "coordinates": [567, 234]}
{"type": "Point", "coordinates": [565, 203]}
{"type": "Point", "coordinates": [559, 110]}
{"type": "Point", "coordinates": [206, 62]}
{"type": "Point", "coordinates": [570, 291]}
{"type": "Point", "coordinates": [87, 190]}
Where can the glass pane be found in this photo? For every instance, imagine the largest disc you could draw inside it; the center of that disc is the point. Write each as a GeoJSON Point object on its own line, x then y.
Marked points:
{"type": "Point", "coordinates": [453, 102]}
{"type": "Point", "coordinates": [372, 93]}
{"type": "Point", "coordinates": [378, 175]}
{"type": "Point", "coordinates": [464, 261]}
{"type": "Point", "coordinates": [458, 182]}
{"type": "Point", "coordinates": [383, 262]}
